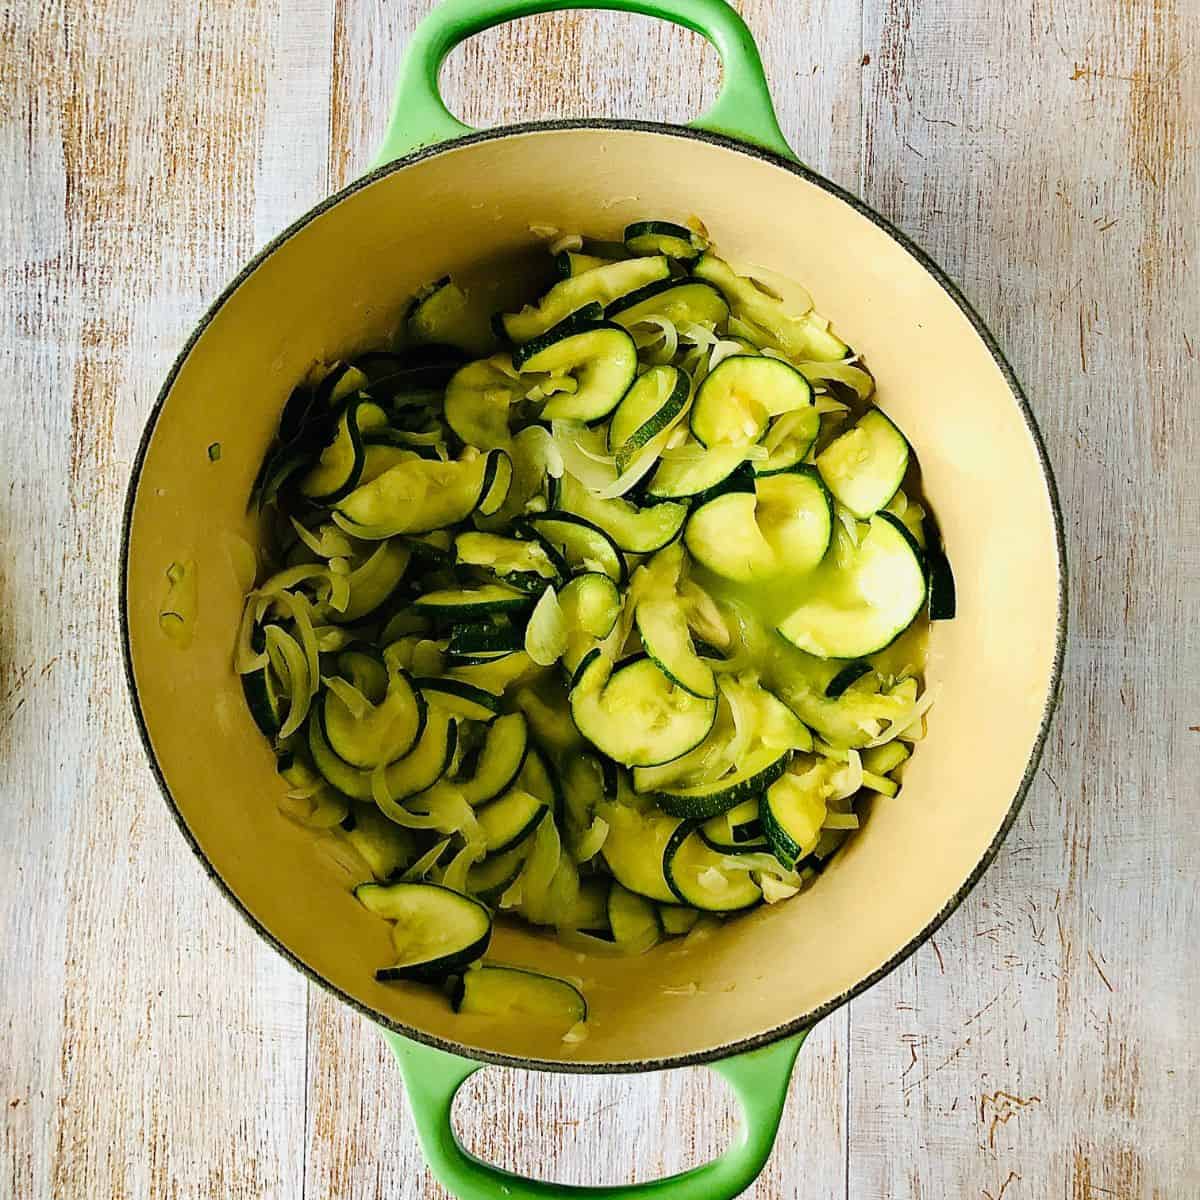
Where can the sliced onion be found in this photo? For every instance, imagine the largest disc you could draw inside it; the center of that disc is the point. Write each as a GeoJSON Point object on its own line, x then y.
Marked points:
{"type": "Point", "coordinates": [546, 633]}
{"type": "Point", "coordinates": [425, 863]}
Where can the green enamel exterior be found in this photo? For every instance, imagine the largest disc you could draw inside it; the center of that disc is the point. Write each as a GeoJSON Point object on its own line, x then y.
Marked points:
{"type": "Point", "coordinates": [759, 1080]}
{"type": "Point", "coordinates": [419, 117]}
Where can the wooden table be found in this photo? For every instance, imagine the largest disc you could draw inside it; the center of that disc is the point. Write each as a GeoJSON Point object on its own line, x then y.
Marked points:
{"type": "Point", "coordinates": [1045, 1044]}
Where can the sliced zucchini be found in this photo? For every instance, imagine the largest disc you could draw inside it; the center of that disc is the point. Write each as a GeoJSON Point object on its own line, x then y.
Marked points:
{"type": "Point", "coordinates": [485, 638]}
{"type": "Point", "coordinates": [663, 628]}
{"type": "Point", "coordinates": [700, 877]}
{"type": "Point", "coordinates": [590, 910]}
{"type": "Point", "coordinates": [265, 699]}
{"type": "Point", "coordinates": [793, 812]}
{"type": "Point", "coordinates": [507, 822]}
{"type": "Point", "coordinates": [480, 398]}
{"type": "Point", "coordinates": [650, 405]}
{"type": "Point", "coordinates": [738, 831]}
{"type": "Point", "coordinates": [549, 722]}
{"type": "Point", "coordinates": [591, 605]}
{"type": "Point", "coordinates": [943, 600]}
{"type": "Point", "coordinates": [496, 674]}
{"type": "Point", "coordinates": [337, 471]}
{"type": "Point", "coordinates": [736, 402]}
{"type": "Point", "coordinates": [500, 760]}
{"type": "Point", "coordinates": [865, 466]}
{"type": "Point", "coordinates": [850, 673]}
{"type": "Point", "coordinates": [444, 314]}
{"type": "Point", "coordinates": [632, 918]}
{"type": "Point", "coordinates": [459, 698]}
{"type": "Point", "coordinates": [570, 263]}
{"type": "Point", "coordinates": [802, 338]}
{"type": "Point", "coordinates": [374, 581]}
{"type": "Point", "coordinates": [600, 357]}
{"type": "Point", "coordinates": [424, 764]}
{"type": "Point", "coordinates": [882, 760]}
{"type": "Point", "coordinates": [676, 920]}
{"type": "Point", "coordinates": [457, 604]}
{"type": "Point", "coordinates": [419, 369]}
{"type": "Point", "coordinates": [364, 668]}
{"type": "Point", "coordinates": [634, 849]}
{"type": "Point", "coordinates": [437, 931]}
{"type": "Point", "coordinates": [700, 471]}
{"type": "Point", "coordinates": [663, 237]}
{"type": "Point", "coordinates": [703, 801]}
{"type": "Point", "coordinates": [684, 302]}
{"type": "Point", "coordinates": [784, 526]}
{"type": "Point", "coordinates": [601, 286]}
{"type": "Point", "coordinates": [860, 608]}
{"type": "Point", "coordinates": [582, 545]}
{"type": "Point", "coordinates": [490, 879]}
{"type": "Point", "coordinates": [634, 530]}
{"type": "Point", "coordinates": [417, 496]}
{"type": "Point", "coordinates": [537, 778]}
{"type": "Point", "coordinates": [491, 991]}
{"type": "Point", "coordinates": [495, 491]}
{"type": "Point", "coordinates": [525, 564]}
{"type": "Point", "coordinates": [385, 847]}
{"type": "Point", "coordinates": [635, 714]}
{"type": "Point", "coordinates": [379, 733]}
{"type": "Point", "coordinates": [788, 440]}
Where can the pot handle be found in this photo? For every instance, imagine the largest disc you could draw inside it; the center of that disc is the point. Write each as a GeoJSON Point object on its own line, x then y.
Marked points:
{"type": "Point", "coordinates": [420, 118]}
{"type": "Point", "coordinates": [759, 1079]}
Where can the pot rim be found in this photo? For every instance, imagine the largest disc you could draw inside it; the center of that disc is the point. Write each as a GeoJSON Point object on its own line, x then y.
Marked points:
{"type": "Point", "coordinates": [804, 1020]}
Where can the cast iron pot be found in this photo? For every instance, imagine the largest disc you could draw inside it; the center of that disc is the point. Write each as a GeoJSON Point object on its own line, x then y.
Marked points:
{"type": "Point", "coordinates": [446, 198]}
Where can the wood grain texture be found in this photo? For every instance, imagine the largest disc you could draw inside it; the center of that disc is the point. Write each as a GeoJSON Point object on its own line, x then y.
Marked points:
{"type": "Point", "coordinates": [1043, 1046]}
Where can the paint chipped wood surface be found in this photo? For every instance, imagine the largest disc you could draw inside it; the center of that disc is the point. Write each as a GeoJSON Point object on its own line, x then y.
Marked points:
{"type": "Point", "coordinates": [1044, 1045]}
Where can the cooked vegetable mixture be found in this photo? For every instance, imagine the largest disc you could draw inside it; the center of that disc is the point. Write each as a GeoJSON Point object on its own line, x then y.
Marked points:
{"type": "Point", "coordinates": [607, 614]}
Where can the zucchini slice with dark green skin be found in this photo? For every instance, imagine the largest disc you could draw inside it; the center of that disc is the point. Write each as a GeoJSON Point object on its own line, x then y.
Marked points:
{"type": "Point", "coordinates": [651, 404]}
{"type": "Point", "coordinates": [336, 472]}
{"type": "Point", "coordinates": [943, 599]}
{"type": "Point", "coordinates": [449, 492]}
{"type": "Point", "coordinates": [680, 478]}
{"type": "Point", "coordinates": [634, 848]}
{"type": "Point", "coordinates": [524, 564]}
{"type": "Point", "coordinates": [676, 920]}
{"type": "Point", "coordinates": [663, 237]}
{"type": "Point", "coordinates": [635, 714]}
{"type": "Point", "coordinates": [420, 369]}
{"type": "Point", "coordinates": [582, 545]}
{"type": "Point", "coordinates": [867, 604]}
{"type": "Point", "coordinates": [443, 314]}
{"type": "Point", "coordinates": [451, 604]}
{"type": "Point", "coordinates": [387, 848]}
{"type": "Point", "coordinates": [704, 801]}
{"type": "Point", "coordinates": [485, 638]}
{"type": "Point", "coordinates": [508, 821]}
{"type": "Point", "coordinates": [383, 732]}
{"type": "Point", "coordinates": [539, 779]}
{"type": "Point", "coordinates": [793, 810]}
{"type": "Point", "coordinates": [864, 467]}
{"type": "Point", "coordinates": [492, 991]}
{"type": "Point", "coordinates": [850, 673]}
{"type": "Point", "coordinates": [362, 666]}
{"type": "Point", "coordinates": [738, 831]}
{"type": "Point", "coordinates": [437, 931]}
{"type": "Point", "coordinates": [632, 918]}
{"type": "Point", "coordinates": [600, 286]}
{"type": "Point", "coordinates": [569, 263]}
{"type": "Point", "coordinates": [735, 403]}
{"type": "Point", "coordinates": [500, 760]}
{"type": "Point", "coordinates": [698, 876]}
{"type": "Point", "coordinates": [495, 490]}
{"type": "Point", "coordinates": [460, 699]}
{"type": "Point", "coordinates": [788, 440]}
{"type": "Point", "coordinates": [479, 401]}
{"type": "Point", "coordinates": [663, 628]}
{"type": "Point", "coordinates": [599, 356]}
{"type": "Point", "coordinates": [265, 699]}
{"type": "Point", "coordinates": [490, 879]}
{"type": "Point", "coordinates": [682, 301]}
{"type": "Point", "coordinates": [785, 526]}
{"type": "Point", "coordinates": [632, 529]}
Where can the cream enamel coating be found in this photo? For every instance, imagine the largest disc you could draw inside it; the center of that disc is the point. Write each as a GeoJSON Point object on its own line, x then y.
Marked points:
{"type": "Point", "coordinates": [993, 667]}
